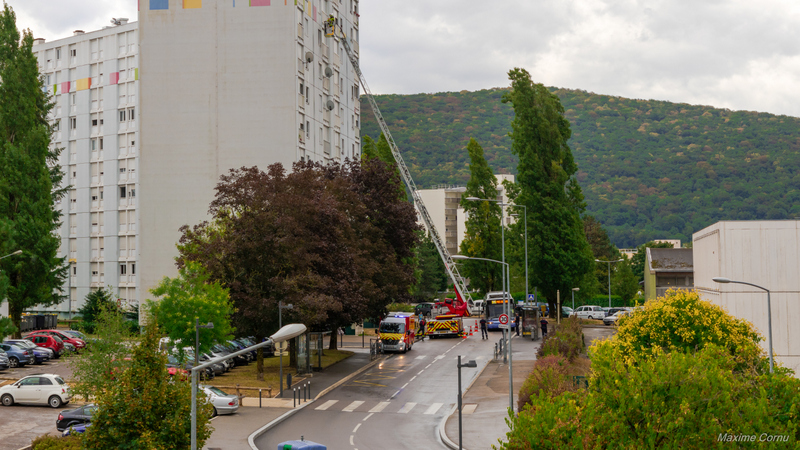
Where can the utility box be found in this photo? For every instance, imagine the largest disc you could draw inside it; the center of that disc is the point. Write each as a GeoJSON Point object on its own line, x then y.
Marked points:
{"type": "Point", "coordinates": [301, 445]}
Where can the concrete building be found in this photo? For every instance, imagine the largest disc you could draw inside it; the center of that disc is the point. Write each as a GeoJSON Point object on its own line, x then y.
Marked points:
{"type": "Point", "coordinates": [152, 112]}
{"type": "Point", "coordinates": [665, 269]}
{"type": "Point", "coordinates": [765, 253]}
{"type": "Point", "coordinates": [443, 205]}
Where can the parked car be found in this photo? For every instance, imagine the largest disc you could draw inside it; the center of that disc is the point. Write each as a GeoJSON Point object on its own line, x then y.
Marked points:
{"type": "Point", "coordinates": [223, 403]}
{"type": "Point", "coordinates": [77, 429]}
{"type": "Point", "coordinates": [3, 360]}
{"type": "Point", "coordinates": [40, 354]}
{"type": "Point", "coordinates": [41, 388]}
{"type": "Point", "coordinates": [66, 337]}
{"type": "Point", "coordinates": [77, 416]}
{"type": "Point", "coordinates": [423, 308]}
{"type": "Point", "coordinates": [612, 319]}
{"type": "Point", "coordinates": [81, 336]}
{"type": "Point", "coordinates": [566, 311]}
{"type": "Point", "coordinates": [17, 356]}
{"type": "Point", "coordinates": [173, 363]}
{"type": "Point", "coordinates": [268, 350]}
{"type": "Point", "coordinates": [589, 312]}
{"type": "Point", "coordinates": [53, 343]}
{"type": "Point", "coordinates": [69, 347]}
{"type": "Point", "coordinates": [612, 311]}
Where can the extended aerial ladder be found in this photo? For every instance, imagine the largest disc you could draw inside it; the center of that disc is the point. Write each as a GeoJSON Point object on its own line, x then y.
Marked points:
{"type": "Point", "coordinates": [458, 281]}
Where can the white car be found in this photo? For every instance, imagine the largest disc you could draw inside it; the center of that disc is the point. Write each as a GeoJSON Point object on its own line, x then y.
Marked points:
{"type": "Point", "coordinates": [589, 312]}
{"type": "Point", "coordinates": [39, 388]}
{"type": "Point", "coordinates": [223, 403]}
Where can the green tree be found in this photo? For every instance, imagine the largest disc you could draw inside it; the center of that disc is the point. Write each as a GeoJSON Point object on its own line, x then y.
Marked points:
{"type": "Point", "coordinates": [638, 259]}
{"type": "Point", "coordinates": [146, 409]}
{"type": "Point", "coordinates": [368, 148]}
{"type": "Point", "coordinates": [96, 371]}
{"type": "Point", "coordinates": [95, 302]}
{"type": "Point", "coordinates": [431, 274]}
{"type": "Point", "coordinates": [559, 255]}
{"type": "Point", "coordinates": [482, 236]}
{"type": "Point", "coordinates": [189, 297]}
{"type": "Point", "coordinates": [7, 326]}
{"type": "Point", "coordinates": [623, 281]}
{"type": "Point", "coordinates": [30, 179]}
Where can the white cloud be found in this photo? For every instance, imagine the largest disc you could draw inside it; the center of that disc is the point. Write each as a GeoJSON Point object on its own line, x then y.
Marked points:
{"type": "Point", "coordinates": [738, 54]}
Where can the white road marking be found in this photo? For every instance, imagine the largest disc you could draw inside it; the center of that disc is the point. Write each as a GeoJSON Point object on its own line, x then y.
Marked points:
{"type": "Point", "coordinates": [326, 405]}
{"type": "Point", "coordinates": [406, 408]}
{"type": "Point", "coordinates": [379, 407]}
{"type": "Point", "coordinates": [421, 356]}
{"type": "Point", "coordinates": [469, 408]}
{"type": "Point", "coordinates": [395, 394]}
{"type": "Point", "coordinates": [428, 365]}
{"type": "Point", "coordinates": [356, 428]}
{"type": "Point", "coordinates": [433, 408]}
{"type": "Point", "coordinates": [352, 406]}
{"type": "Point", "coordinates": [439, 357]}
{"type": "Point", "coordinates": [412, 379]}
{"type": "Point", "coordinates": [404, 386]}
{"type": "Point", "coordinates": [351, 440]}
{"type": "Point", "coordinates": [420, 372]}
{"type": "Point", "coordinates": [368, 416]}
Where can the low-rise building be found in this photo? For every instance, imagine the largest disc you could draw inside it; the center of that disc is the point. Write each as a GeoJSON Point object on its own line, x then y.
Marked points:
{"type": "Point", "coordinates": [667, 268]}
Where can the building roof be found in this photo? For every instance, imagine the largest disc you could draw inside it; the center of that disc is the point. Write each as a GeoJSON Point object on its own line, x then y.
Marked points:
{"type": "Point", "coordinates": [670, 260]}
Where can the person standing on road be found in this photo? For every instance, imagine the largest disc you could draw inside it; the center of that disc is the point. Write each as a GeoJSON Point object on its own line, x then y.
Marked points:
{"type": "Point", "coordinates": [517, 319]}
{"type": "Point", "coordinates": [422, 327]}
{"type": "Point", "coordinates": [484, 331]}
{"type": "Point", "coordinates": [544, 327]}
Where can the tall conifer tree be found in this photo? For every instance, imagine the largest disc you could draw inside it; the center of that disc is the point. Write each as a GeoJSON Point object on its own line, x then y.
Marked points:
{"type": "Point", "coordinates": [559, 255]}
{"type": "Point", "coordinates": [482, 236]}
{"type": "Point", "coordinates": [30, 178]}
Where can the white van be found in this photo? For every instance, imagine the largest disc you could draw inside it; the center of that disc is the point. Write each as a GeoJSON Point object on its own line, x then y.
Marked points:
{"type": "Point", "coordinates": [589, 312]}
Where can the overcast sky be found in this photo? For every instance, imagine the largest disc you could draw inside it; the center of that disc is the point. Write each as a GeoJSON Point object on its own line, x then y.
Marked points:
{"type": "Point", "coordinates": [737, 54]}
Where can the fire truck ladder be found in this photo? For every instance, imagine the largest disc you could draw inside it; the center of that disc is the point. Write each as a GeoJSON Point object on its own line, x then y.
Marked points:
{"type": "Point", "coordinates": [452, 270]}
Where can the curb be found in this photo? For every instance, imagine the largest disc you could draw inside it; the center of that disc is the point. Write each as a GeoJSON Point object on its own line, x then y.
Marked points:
{"type": "Point", "coordinates": [253, 436]}
{"type": "Point", "coordinates": [442, 434]}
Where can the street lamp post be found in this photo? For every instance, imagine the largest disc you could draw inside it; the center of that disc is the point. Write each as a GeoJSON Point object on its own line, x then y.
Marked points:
{"type": "Point", "coordinates": [505, 269]}
{"type": "Point", "coordinates": [18, 252]}
{"type": "Point", "coordinates": [769, 313]}
{"type": "Point", "coordinates": [197, 327]}
{"type": "Point", "coordinates": [281, 307]}
{"type": "Point", "coordinates": [609, 277]}
{"type": "Point", "coordinates": [573, 296]}
{"type": "Point", "coordinates": [470, 363]}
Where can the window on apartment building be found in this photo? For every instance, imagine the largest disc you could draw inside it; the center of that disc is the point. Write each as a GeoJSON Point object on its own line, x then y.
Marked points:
{"type": "Point", "coordinates": [123, 269]}
{"type": "Point", "coordinates": [73, 123]}
{"type": "Point", "coordinates": [58, 53]}
{"type": "Point", "coordinates": [94, 122]}
{"type": "Point", "coordinates": [72, 99]}
{"type": "Point", "coordinates": [122, 115]}
{"type": "Point", "coordinates": [320, 71]}
{"type": "Point", "coordinates": [319, 37]}
{"type": "Point", "coordinates": [123, 192]}
{"type": "Point", "coordinates": [133, 269]}
{"type": "Point", "coordinates": [131, 191]}
{"type": "Point", "coordinates": [132, 114]}
{"type": "Point", "coordinates": [100, 141]}
{"type": "Point", "coordinates": [74, 52]}
{"type": "Point", "coordinates": [57, 125]}
{"type": "Point", "coordinates": [74, 269]}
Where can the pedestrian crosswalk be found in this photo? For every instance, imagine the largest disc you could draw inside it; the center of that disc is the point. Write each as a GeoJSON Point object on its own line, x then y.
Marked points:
{"type": "Point", "coordinates": [380, 407]}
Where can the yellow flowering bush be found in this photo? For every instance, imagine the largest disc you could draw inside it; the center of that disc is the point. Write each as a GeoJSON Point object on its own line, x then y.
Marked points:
{"type": "Point", "coordinates": [681, 320]}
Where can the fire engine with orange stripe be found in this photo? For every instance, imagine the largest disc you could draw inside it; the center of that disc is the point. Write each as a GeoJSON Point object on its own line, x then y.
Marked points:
{"type": "Point", "coordinates": [397, 332]}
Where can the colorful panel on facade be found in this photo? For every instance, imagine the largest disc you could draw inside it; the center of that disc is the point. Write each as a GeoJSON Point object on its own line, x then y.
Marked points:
{"type": "Point", "coordinates": [113, 78]}
{"type": "Point", "coordinates": [192, 4]}
{"type": "Point", "coordinates": [159, 4]}
{"type": "Point", "coordinates": [65, 87]}
{"type": "Point", "coordinates": [259, 2]}
{"type": "Point", "coordinates": [83, 84]}
{"type": "Point", "coordinates": [55, 89]}
{"type": "Point", "coordinates": [136, 71]}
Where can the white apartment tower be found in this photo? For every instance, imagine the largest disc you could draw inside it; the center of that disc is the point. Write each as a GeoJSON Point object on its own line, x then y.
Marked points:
{"type": "Point", "coordinates": [152, 112]}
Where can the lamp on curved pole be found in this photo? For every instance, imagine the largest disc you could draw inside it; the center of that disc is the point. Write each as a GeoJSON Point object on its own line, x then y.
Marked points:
{"type": "Point", "coordinates": [769, 312]}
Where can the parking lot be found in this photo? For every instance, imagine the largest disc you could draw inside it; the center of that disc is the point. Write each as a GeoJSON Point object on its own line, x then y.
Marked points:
{"type": "Point", "coordinates": [19, 424]}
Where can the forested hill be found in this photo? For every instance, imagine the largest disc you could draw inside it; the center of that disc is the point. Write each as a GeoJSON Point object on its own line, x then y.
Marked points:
{"type": "Point", "coordinates": [649, 169]}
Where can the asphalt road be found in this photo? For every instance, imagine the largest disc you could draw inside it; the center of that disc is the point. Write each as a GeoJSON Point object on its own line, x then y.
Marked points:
{"type": "Point", "coordinates": [397, 404]}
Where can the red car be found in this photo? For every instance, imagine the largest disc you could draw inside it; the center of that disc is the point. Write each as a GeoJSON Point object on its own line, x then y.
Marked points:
{"type": "Point", "coordinates": [77, 342]}
{"type": "Point", "coordinates": [43, 340]}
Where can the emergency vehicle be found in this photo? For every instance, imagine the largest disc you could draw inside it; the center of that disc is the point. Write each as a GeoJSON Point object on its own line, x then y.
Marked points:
{"type": "Point", "coordinates": [397, 332]}
{"type": "Point", "coordinates": [445, 325]}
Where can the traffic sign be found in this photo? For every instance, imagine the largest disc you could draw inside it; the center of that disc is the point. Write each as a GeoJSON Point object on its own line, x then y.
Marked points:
{"type": "Point", "coordinates": [503, 326]}
{"type": "Point", "coordinates": [531, 297]}
{"type": "Point", "coordinates": [503, 319]}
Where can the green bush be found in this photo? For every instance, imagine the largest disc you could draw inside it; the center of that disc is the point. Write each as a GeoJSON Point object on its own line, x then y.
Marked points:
{"type": "Point", "coordinates": [400, 307]}
{"type": "Point", "coordinates": [48, 442]}
{"type": "Point", "coordinates": [566, 340]}
{"type": "Point", "coordinates": [547, 423]}
{"type": "Point", "coordinates": [551, 376]}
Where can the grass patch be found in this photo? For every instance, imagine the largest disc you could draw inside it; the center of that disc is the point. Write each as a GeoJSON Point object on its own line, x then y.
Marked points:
{"type": "Point", "coordinates": [247, 376]}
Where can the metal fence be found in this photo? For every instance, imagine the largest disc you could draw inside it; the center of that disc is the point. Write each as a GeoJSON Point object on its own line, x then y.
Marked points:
{"type": "Point", "coordinates": [375, 348]}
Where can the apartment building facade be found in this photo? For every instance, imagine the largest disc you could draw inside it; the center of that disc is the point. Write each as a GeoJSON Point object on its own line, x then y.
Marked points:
{"type": "Point", "coordinates": [151, 113]}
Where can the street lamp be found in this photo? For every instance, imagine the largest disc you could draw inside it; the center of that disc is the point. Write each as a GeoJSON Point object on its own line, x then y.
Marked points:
{"type": "Point", "coordinates": [471, 363]}
{"type": "Point", "coordinates": [508, 355]}
{"type": "Point", "coordinates": [609, 277]}
{"type": "Point", "coordinates": [769, 312]}
{"type": "Point", "coordinates": [197, 327]}
{"type": "Point", "coordinates": [525, 219]}
{"type": "Point", "coordinates": [573, 296]}
{"type": "Point", "coordinates": [18, 252]}
{"type": "Point", "coordinates": [281, 307]}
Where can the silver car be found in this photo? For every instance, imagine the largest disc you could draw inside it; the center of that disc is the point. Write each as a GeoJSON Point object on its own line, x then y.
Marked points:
{"type": "Point", "coordinates": [223, 403]}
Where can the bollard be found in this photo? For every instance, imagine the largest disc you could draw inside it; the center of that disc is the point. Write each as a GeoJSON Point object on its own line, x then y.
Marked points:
{"type": "Point", "coordinates": [304, 392]}
{"type": "Point", "coordinates": [309, 390]}
{"type": "Point", "coordinates": [259, 397]}
{"type": "Point", "coordinates": [294, 397]}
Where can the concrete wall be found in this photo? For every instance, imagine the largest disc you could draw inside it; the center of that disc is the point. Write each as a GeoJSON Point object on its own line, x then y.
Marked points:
{"type": "Point", "coordinates": [765, 253]}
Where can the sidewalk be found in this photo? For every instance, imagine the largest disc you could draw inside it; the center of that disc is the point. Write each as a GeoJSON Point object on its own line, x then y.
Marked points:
{"type": "Point", "coordinates": [485, 402]}
{"type": "Point", "coordinates": [232, 432]}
